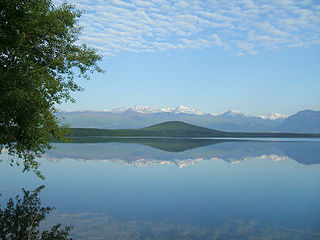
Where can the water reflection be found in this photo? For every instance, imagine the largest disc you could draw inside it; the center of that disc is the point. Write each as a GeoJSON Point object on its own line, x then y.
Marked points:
{"type": "Point", "coordinates": [22, 216]}
{"type": "Point", "coordinates": [183, 152]}
{"type": "Point", "coordinates": [234, 189]}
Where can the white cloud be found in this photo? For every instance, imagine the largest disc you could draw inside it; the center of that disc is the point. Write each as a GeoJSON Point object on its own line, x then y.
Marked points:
{"type": "Point", "coordinates": [241, 27]}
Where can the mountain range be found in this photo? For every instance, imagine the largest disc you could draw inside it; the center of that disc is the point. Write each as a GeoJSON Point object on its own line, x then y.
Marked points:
{"type": "Point", "coordinates": [306, 121]}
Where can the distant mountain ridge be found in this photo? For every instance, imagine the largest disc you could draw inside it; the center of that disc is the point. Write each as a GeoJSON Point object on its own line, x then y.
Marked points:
{"type": "Point", "coordinates": [141, 116]}
{"type": "Point", "coordinates": [180, 109]}
{"type": "Point", "coordinates": [307, 121]}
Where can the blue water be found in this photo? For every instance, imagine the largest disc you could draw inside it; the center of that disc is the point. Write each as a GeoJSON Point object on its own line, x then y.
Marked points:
{"type": "Point", "coordinates": [224, 190]}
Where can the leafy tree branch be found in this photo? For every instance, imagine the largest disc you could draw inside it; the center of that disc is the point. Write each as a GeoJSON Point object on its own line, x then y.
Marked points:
{"type": "Point", "coordinates": [39, 59]}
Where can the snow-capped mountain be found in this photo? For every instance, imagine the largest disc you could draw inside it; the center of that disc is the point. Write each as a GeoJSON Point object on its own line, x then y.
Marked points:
{"type": "Point", "coordinates": [186, 110]}
{"type": "Point", "coordinates": [142, 116]}
{"type": "Point", "coordinates": [136, 108]}
{"type": "Point", "coordinates": [234, 113]}
{"type": "Point", "coordinates": [146, 109]}
{"type": "Point", "coordinates": [274, 116]}
{"type": "Point", "coordinates": [182, 109]}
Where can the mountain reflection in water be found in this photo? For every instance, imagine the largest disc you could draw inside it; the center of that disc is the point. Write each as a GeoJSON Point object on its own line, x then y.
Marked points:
{"type": "Point", "coordinates": [146, 151]}
{"type": "Point", "coordinates": [237, 189]}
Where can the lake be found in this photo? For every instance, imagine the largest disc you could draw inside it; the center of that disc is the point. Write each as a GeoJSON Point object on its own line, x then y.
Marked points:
{"type": "Point", "coordinates": [125, 188]}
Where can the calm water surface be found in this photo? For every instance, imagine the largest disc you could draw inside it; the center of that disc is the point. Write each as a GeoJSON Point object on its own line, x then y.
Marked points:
{"type": "Point", "coordinates": [178, 188]}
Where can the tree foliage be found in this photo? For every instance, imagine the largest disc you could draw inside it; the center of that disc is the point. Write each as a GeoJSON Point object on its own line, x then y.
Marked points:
{"type": "Point", "coordinates": [39, 59]}
{"type": "Point", "coordinates": [22, 217]}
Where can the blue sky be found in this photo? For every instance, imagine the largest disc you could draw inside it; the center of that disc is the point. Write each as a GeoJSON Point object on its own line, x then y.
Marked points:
{"type": "Point", "coordinates": [254, 56]}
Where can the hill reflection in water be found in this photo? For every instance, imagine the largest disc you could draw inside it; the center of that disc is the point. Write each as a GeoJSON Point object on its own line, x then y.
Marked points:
{"type": "Point", "coordinates": [146, 151]}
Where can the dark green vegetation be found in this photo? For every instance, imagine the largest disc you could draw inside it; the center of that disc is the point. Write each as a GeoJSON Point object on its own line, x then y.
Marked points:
{"type": "Point", "coordinates": [178, 129]}
{"type": "Point", "coordinates": [38, 61]}
{"type": "Point", "coordinates": [167, 129]}
{"type": "Point", "coordinates": [165, 144]}
{"type": "Point", "coordinates": [22, 217]}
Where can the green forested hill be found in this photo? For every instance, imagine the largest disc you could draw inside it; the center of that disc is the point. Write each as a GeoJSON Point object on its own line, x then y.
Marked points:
{"type": "Point", "coordinates": [166, 129]}
{"type": "Point", "coordinates": [175, 129]}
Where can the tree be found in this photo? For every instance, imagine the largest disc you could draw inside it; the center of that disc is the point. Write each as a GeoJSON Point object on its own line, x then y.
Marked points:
{"type": "Point", "coordinates": [22, 217]}
{"type": "Point", "coordinates": [39, 59]}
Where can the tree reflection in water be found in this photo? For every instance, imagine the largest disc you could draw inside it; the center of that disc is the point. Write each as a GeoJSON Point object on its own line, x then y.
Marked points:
{"type": "Point", "coordinates": [22, 217]}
